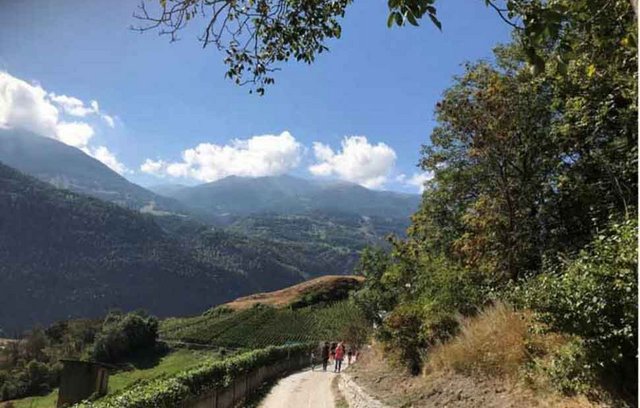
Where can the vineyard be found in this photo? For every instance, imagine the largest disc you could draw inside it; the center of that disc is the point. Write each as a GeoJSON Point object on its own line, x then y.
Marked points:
{"type": "Point", "coordinates": [261, 326]}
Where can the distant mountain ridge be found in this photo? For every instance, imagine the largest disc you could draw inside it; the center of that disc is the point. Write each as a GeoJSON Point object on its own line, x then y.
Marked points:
{"type": "Point", "coordinates": [68, 167]}
{"type": "Point", "coordinates": [293, 195]}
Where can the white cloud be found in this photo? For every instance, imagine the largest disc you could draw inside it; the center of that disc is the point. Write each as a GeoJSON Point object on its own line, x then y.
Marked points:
{"type": "Point", "coordinates": [103, 154]}
{"type": "Point", "coordinates": [25, 106]}
{"type": "Point", "coordinates": [358, 161]}
{"type": "Point", "coordinates": [30, 107]}
{"type": "Point", "coordinates": [76, 134]}
{"type": "Point", "coordinates": [265, 155]}
{"type": "Point", "coordinates": [109, 119]}
{"type": "Point", "coordinates": [417, 179]}
{"type": "Point", "coordinates": [154, 167]}
{"type": "Point", "coordinates": [73, 106]}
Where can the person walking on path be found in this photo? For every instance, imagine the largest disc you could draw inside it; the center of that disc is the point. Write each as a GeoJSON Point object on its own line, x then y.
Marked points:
{"type": "Point", "coordinates": [349, 355]}
{"type": "Point", "coordinates": [325, 355]}
{"type": "Point", "coordinates": [332, 353]}
{"type": "Point", "coordinates": [339, 357]}
{"type": "Point", "coordinates": [312, 359]}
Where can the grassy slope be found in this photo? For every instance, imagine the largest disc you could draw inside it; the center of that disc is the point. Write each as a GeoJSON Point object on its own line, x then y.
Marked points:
{"type": "Point", "coordinates": [263, 326]}
{"type": "Point", "coordinates": [268, 318]}
{"type": "Point", "coordinates": [170, 364]}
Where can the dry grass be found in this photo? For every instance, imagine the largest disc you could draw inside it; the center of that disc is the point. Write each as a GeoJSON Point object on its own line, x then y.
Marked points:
{"type": "Point", "coordinates": [497, 342]}
{"type": "Point", "coordinates": [286, 296]}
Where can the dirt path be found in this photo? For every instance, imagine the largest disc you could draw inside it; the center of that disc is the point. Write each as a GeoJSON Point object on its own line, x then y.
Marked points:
{"type": "Point", "coordinates": [306, 389]}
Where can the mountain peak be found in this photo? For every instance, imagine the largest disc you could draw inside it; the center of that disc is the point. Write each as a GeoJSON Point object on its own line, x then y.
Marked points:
{"type": "Point", "coordinates": [67, 167]}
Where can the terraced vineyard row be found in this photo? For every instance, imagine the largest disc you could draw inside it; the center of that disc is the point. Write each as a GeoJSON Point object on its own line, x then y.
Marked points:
{"type": "Point", "coordinates": [263, 326]}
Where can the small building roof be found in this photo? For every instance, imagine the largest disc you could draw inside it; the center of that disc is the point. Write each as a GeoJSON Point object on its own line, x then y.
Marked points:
{"type": "Point", "coordinates": [93, 363]}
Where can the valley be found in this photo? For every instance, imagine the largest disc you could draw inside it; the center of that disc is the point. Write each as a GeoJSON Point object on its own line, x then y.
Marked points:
{"type": "Point", "coordinates": [81, 247]}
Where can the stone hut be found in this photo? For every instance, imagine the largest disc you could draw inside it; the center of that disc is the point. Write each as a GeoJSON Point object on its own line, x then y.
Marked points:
{"type": "Point", "coordinates": [80, 380]}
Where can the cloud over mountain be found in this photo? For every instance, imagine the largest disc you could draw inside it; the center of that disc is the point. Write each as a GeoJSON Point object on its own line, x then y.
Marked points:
{"type": "Point", "coordinates": [264, 155]}
{"type": "Point", "coordinates": [358, 161]}
{"type": "Point", "coordinates": [417, 179]}
{"type": "Point", "coordinates": [30, 107]}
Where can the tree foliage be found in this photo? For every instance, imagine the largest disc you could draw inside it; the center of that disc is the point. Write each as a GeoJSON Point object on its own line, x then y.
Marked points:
{"type": "Point", "coordinates": [595, 297]}
{"type": "Point", "coordinates": [534, 187]}
{"type": "Point", "coordinates": [123, 334]}
{"type": "Point", "coordinates": [254, 34]}
{"type": "Point", "coordinates": [31, 366]}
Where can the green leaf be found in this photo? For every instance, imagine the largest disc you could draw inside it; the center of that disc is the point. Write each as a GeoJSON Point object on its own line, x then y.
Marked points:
{"type": "Point", "coordinates": [412, 19]}
{"type": "Point", "coordinates": [390, 19]}
{"type": "Point", "coordinates": [435, 21]}
{"type": "Point", "coordinates": [398, 19]}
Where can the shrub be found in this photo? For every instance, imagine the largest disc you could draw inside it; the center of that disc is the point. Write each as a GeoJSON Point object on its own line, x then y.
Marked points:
{"type": "Point", "coordinates": [355, 332]}
{"type": "Point", "coordinates": [402, 335]}
{"type": "Point", "coordinates": [38, 378]}
{"type": "Point", "coordinates": [122, 334]}
{"type": "Point", "coordinates": [567, 368]}
{"type": "Point", "coordinates": [596, 298]}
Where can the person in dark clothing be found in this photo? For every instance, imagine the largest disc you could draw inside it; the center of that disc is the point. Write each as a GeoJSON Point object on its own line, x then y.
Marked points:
{"type": "Point", "coordinates": [325, 356]}
{"type": "Point", "coordinates": [349, 355]}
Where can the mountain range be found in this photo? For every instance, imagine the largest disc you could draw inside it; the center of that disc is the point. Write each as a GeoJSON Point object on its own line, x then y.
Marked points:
{"type": "Point", "coordinates": [77, 239]}
{"type": "Point", "coordinates": [285, 194]}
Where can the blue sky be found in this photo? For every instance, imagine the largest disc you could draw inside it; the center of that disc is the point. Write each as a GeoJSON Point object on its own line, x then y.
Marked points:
{"type": "Point", "coordinates": [165, 98]}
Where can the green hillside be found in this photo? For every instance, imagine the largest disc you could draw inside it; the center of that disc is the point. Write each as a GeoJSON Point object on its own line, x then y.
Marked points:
{"type": "Point", "coordinates": [262, 326]}
{"type": "Point", "coordinates": [234, 196]}
{"type": "Point", "coordinates": [313, 311]}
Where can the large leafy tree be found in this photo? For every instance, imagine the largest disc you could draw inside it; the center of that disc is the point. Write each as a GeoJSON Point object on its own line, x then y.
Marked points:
{"type": "Point", "coordinates": [492, 162]}
{"type": "Point", "coordinates": [530, 164]}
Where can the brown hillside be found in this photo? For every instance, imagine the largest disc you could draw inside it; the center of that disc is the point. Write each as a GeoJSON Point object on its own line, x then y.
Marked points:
{"type": "Point", "coordinates": [324, 287]}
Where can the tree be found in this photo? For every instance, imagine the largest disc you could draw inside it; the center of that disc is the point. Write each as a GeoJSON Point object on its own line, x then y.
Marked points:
{"type": "Point", "coordinates": [375, 298]}
{"type": "Point", "coordinates": [121, 335]}
{"type": "Point", "coordinates": [257, 35]}
{"type": "Point", "coordinates": [492, 161]}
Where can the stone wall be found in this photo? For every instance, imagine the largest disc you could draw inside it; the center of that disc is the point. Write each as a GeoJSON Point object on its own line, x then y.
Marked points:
{"type": "Point", "coordinates": [356, 397]}
{"type": "Point", "coordinates": [245, 385]}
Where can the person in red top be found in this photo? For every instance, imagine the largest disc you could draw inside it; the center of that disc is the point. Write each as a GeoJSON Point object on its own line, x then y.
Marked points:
{"type": "Point", "coordinates": [339, 357]}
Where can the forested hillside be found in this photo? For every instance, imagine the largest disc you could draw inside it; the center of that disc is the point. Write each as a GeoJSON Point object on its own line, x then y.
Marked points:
{"type": "Point", "coordinates": [68, 255]}
{"type": "Point", "coordinates": [271, 223]}
{"type": "Point", "coordinates": [65, 255]}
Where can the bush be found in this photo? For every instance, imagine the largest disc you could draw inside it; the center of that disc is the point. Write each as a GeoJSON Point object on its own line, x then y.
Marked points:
{"type": "Point", "coordinates": [38, 378]}
{"type": "Point", "coordinates": [567, 369]}
{"type": "Point", "coordinates": [596, 298]}
{"type": "Point", "coordinates": [123, 334]}
{"type": "Point", "coordinates": [402, 335]}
